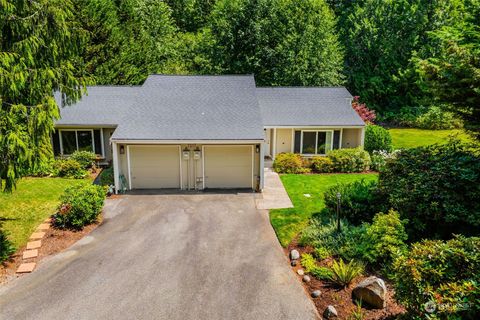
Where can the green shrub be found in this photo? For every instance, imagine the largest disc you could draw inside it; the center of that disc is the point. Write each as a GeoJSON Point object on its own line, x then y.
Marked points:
{"type": "Point", "coordinates": [322, 253]}
{"type": "Point", "coordinates": [380, 158]}
{"type": "Point", "coordinates": [321, 165]}
{"type": "Point", "coordinates": [85, 158]}
{"type": "Point", "coordinates": [344, 273]}
{"type": "Point", "coordinates": [437, 119]}
{"type": "Point", "coordinates": [6, 247]}
{"type": "Point", "coordinates": [359, 200]}
{"type": "Point", "coordinates": [325, 235]}
{"type": "Point", "coordinates": [310, 266]}
{"type": "Point", "coordinates": [80, 205]}
{"type": "Point", "coordinates": [443, 274]}
{"type": "Point", "coordinates": [69, 168]}
{"type": "Point", "coordinates": [289, 163]}
{"type": "Point", "coordinates": [377, 138]}
{"type": "Point", "coordinates": [106, 177]}
{"type": "Point", "coordinates": [436, 188]}
{"type": "Point", "coordinates": [384, 239]}
{"type": "Point", "coordinates": [350, 160]}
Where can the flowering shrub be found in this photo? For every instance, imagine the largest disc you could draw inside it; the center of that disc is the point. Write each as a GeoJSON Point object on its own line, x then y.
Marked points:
{"type": "Point", "coordinates": [380, 158]}
{"type": "Point", "coordinates": [366, 114]}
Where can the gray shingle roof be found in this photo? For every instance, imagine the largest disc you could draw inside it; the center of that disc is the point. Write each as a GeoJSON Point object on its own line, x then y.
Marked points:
{"type": "Point", "coordinates": [307, 106]}
{"type": "Point", "coordinates": [194, 108]}
{"type": "Point", "coordinates": [102, 106]}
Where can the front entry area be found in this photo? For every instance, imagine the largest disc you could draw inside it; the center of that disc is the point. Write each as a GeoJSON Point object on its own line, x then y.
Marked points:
{"type": "Point", "coordinates": [190, 166]}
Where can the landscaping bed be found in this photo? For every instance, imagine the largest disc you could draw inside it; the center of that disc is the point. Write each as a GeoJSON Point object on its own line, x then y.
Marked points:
{"type": "Point", "coordinates": [341, 298]}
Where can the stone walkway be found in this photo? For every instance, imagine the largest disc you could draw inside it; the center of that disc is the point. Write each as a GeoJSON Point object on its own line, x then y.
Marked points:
{"type": "Point", "coordinates": [274, 195]}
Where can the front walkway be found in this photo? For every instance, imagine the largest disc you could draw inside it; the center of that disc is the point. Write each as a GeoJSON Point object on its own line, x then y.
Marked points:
{"type": "Point", "coordinates": [274, 195]}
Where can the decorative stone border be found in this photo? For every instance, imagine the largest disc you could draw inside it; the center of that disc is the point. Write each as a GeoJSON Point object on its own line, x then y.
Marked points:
{"type": "Point", "coordinates": [35, 242]}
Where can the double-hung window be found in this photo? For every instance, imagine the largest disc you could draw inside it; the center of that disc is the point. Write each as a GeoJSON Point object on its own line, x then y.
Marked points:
{"type": "Point", "coordinates": [316, 142]}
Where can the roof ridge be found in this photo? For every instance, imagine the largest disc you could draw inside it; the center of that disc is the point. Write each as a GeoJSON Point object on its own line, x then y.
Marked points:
{"type": "Point", "coordinates": [301, 87]}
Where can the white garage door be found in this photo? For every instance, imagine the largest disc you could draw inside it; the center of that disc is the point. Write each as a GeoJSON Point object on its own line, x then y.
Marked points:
{"type": "Point", "coordinates": [154, 167]}
{"type": "Point", "coordinates": [228, 166]}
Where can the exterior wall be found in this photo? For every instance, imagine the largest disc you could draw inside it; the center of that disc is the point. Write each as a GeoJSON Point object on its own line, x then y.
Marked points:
{"type": "Point", "coordinates": [352, 138]}
{"type": "Point", "coordinates": [284, 141]}
{"type": "Point", "coordinates": [107, 133]}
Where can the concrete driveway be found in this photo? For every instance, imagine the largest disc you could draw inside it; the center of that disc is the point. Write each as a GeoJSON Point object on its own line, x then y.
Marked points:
{"type": "Point", "coordinates": [205, 256]}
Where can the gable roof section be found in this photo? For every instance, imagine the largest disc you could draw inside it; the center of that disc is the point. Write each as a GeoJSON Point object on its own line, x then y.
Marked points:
{"type": "Point", "coordinates": [194, 108]}
{"type": "Point", "coordinates": [307, 106]}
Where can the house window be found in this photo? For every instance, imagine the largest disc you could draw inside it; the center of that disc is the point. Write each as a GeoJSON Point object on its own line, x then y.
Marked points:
{"type": "Point", "coordinates": [315, 141]}
{"type": "Point", "coordinates": [73, 140]}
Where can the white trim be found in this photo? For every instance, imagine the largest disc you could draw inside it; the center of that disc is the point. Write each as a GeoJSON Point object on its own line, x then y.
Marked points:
{"type": "Point", "coordinates": [274, 139]}
{"type": "Point", "coordinates": [116, 173]}
{"type": "Point", "coordinates": [180, 161]}
{"type": "Point", "coordinates": [253, 167]}
{"type": "Point", "coordinates": [262, 164]}
{"type": "Point", "coordinates": [340, 140]}
{"type": "Point", "coordinates": [313, 127]}
{"type": "Point", "coordinates": [128, 169]}
{"type": "Point", "coordinates": [292, 148]}
{"type": "Point", "coordinates": [202, 142]}
{"type": "Point", "coordinates": [102, 143]}
{"type": "Point", "coordinates": [203, 167]}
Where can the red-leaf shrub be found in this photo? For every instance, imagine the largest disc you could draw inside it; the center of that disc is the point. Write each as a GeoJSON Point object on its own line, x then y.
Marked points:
{"type": "Point", "coordinates": [366, 114]}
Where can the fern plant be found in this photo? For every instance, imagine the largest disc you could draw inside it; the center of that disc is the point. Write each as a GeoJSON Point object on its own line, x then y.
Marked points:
{"type": "Point", "coordinates": [344, 273]}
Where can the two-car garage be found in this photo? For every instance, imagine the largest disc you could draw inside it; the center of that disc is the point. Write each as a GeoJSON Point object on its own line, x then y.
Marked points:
{"type": "Point", "coordinates": [192, 166]}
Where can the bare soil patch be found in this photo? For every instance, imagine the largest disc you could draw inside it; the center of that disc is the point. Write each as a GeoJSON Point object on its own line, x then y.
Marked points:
{"type": "Point", "coordinates": [341, 298]}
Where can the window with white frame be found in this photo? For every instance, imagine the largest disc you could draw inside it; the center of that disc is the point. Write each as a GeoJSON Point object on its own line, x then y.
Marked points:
{"type": "Point", "coordinates": [73, 140]}
{"type": "Point", "coordinates": [314, 141]}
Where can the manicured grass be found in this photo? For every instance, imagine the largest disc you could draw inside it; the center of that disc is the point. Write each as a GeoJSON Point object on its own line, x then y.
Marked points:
{"type": "Point", "coordinates": [289, 222]}
{"type": "Point", "coordinates": [34, 200]}
{"type": "Point", "coordinates": [411, 138]}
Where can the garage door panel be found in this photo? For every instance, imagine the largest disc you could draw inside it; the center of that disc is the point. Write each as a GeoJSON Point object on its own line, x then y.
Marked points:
{"type": "Point", "coordinates": [228, 166]}
{"type": "Point", "coordinates": [155, 167]}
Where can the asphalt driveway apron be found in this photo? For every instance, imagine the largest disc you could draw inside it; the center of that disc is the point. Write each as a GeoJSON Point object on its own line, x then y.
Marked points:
{"type": "Point", "coordinates": [205, 256]}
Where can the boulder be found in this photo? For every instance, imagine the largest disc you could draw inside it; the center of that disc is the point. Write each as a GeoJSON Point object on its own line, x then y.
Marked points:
{"type": "Point", "coordinates": [330, 312]}
{"type": "Point", "coordinates": [293, 263]}
{"type": "Point", "coordinates": [316, 293]}
{"type": "Point", "coordinates": [300, 272]}
{"type": "Point", "coordinates": [306, 278]}
{"type": "Point", "coordinates": [294, 255]}
{"type": "Point", "coordinates": [371, 291]}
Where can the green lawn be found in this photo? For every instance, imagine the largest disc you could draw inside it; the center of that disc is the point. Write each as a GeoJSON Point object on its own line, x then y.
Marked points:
{"type": "Point", "coordinates": [33, 201]}
{"type": "Point", "coordinates": [289, 222]}
{"type": "Point", "coordinates": [411, 138]}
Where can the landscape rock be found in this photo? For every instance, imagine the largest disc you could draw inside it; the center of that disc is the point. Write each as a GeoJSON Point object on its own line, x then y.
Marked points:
{"type": "Point", "coordinates": [316, 294]}
{"type": "Point", "coordinates": [294, 255]}
{"type": "Point", "coordinates": [306, 278]}
{"type": "Point", "coordinates": [371, 291]}
{"type": "Point", "coordinates": [293, 263]}
{"type": "Point", "coordinates": [330, 312]}
{"type": "Point", "coordinates": [300, 272]}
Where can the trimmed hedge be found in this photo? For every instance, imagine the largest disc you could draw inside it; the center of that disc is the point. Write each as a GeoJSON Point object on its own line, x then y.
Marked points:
{"type": "Point", "coordinates": [80, 205]}
{"type": "Point", "coordinates": [289, 163]}
{"type": "Point", "coordinates": [377, 138]}
{"type": "Point", "coordinates": [350, 160]}
{"type": "Point", "coordinates": [321, 165]}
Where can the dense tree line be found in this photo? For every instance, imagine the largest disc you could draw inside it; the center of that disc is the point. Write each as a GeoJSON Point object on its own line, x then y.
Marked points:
{"type": "Point", "coordinates": [399, 56]}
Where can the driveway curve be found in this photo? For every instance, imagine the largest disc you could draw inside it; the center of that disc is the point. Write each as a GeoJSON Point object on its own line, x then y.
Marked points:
{"type": "Point", "coordinates": [196, 256]}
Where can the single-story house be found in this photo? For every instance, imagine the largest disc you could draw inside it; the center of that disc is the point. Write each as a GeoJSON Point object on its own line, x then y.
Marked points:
{"type": "Point", "coordinates": [200, 132]}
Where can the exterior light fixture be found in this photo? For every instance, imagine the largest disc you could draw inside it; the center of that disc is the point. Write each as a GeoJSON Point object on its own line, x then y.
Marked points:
{"type": "Point", "coordinates": [122, 149]}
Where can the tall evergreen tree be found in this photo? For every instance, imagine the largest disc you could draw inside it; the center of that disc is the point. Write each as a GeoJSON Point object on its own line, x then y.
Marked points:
{"type": "Point", "coordinates": [39, 42]}
{"type": "Point", "coordinates": [282, 42]}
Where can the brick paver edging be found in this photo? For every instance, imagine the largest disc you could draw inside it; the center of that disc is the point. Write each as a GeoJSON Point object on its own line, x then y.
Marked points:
{"type": "Point", "coordinates": [33, 245]}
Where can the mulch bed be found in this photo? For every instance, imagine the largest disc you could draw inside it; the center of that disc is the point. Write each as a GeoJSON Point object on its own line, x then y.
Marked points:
{"type": "Point", "coordinates": [341, 298]}
{"type": "Point", "coordinates": [54, 241]}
